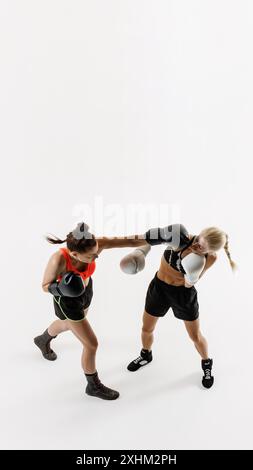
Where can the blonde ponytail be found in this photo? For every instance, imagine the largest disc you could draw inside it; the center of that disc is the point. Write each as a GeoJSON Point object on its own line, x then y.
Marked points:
{"type": "Point", "coordinates": [217, 239]}
{"type": "Point", "coordinates": [231, 262]}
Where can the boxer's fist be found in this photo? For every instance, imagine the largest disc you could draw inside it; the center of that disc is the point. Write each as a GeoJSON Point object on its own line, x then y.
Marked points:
{"type": "Point", "coordinates": [134, 262]}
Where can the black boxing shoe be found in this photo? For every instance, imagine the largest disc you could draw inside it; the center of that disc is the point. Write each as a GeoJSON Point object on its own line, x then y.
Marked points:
{"type": "Point", "coordinates": [208, 379]}
{"type": "Point", "coordinates": [43, 343]}
{"type": "Point", "coordinates": [144, 358]}
{"type": "Point", "coordinates": [96, 389]}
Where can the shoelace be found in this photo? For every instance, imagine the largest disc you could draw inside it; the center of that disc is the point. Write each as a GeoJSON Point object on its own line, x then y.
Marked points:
{"type": "Point", "coordinates": [101, 386]}
{"type": "Point", "coordinates": [140, 358]}
{"type": "Point", "coordinates": [207, 373]}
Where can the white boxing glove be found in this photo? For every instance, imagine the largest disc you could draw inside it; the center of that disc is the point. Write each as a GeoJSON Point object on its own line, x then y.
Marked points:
{"type": "Point", "coordinates": [135, 261]}
{"type": "Point", "coordinates": [193, 265]}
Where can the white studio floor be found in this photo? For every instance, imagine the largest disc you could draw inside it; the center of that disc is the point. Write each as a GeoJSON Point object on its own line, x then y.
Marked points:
{"type": "Point", "coordinates": [127, 115]}
{"type": "Point", "coordinates": [162, 406]}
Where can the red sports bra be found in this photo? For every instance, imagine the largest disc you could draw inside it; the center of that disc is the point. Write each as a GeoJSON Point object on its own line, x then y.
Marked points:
{"type": "Point", "coordinates": [84, 274]}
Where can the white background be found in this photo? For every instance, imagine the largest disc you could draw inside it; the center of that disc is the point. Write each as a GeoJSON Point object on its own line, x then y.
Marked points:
{"type": "Point", "coordinates": [135, 102]}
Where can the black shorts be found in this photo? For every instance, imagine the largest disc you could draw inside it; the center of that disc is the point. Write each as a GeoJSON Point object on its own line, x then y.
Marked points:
{"type": "Point", "coordinates": [73, 308]}
{"type": "Point", "coordinates": [161, 296]}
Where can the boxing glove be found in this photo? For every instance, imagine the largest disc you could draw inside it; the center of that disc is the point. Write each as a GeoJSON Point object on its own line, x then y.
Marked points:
{"type": "Point", "coordinates": [176, 236]}
{"type": "Point", "coordinates": [134, 262]}
{"type": "Point", "coordinates": [71, 285]}
{"type": "Point", "coordinates": [193, 265]}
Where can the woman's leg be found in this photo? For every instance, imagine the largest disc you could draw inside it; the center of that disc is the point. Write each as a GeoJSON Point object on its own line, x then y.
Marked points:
{"type": "Point", "coordinates": [147, 337]}
{"type": "Point", "coordinates": [196, 336]}
{"type": "Point", "coordinates": [43, 341]}
{"type": "Point", "coordinates": [83, 331]}
{"type": "Point", "coordinates": [200, 344]}
{"type": "Point", "coordinates": [57, 327]}
{"type": "Point", "coordinates": [148, 326]}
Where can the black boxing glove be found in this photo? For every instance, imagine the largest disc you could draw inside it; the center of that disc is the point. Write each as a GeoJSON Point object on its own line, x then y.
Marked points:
{"type": "Point", "coordinates": [71, 285]}
{"type": "Point", "coordinates": [176, 236]}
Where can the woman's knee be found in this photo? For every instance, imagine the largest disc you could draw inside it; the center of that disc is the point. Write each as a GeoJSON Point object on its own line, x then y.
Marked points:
{"type": "Point", "coordinates": [85, 334]}
{"type": "Point", "coordinates": [148, 323]}
{"type": "Point", "coordinates": [91, 344]}
{"type": "Point", "coordinates": [148, 330]}
{"type": "Point", "coordinates": [65, 325]}
{"type": "Point", "coordinates": [195, 336]}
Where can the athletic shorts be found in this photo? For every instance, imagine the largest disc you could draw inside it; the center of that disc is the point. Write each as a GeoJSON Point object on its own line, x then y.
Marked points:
{"type": "Point", "coordinates": [161, 296]}
{"type": "Point", "coordinates": [73, 308]}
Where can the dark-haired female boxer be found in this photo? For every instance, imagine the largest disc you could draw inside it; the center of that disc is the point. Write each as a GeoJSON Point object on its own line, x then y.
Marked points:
{"type": "Point", "coordinates": [68, 278]}
{"type": "Point", "coordinates": [184, 261]}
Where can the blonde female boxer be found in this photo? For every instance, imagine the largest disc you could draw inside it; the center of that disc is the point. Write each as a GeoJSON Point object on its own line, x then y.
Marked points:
{"type": "Point", "coordinates": [185, 260]}
{"type": "Point", "coordinates": [68, 279]}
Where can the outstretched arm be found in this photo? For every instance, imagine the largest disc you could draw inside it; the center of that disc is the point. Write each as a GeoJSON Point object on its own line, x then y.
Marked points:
{"type": "Point", "coordinates": [133, 241]}
{"type": "Point", "coordinates": [174, 235]}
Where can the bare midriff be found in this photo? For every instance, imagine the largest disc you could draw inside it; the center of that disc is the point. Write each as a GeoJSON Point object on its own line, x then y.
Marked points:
{"type": "Point", "coordinates": [170, 275]}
